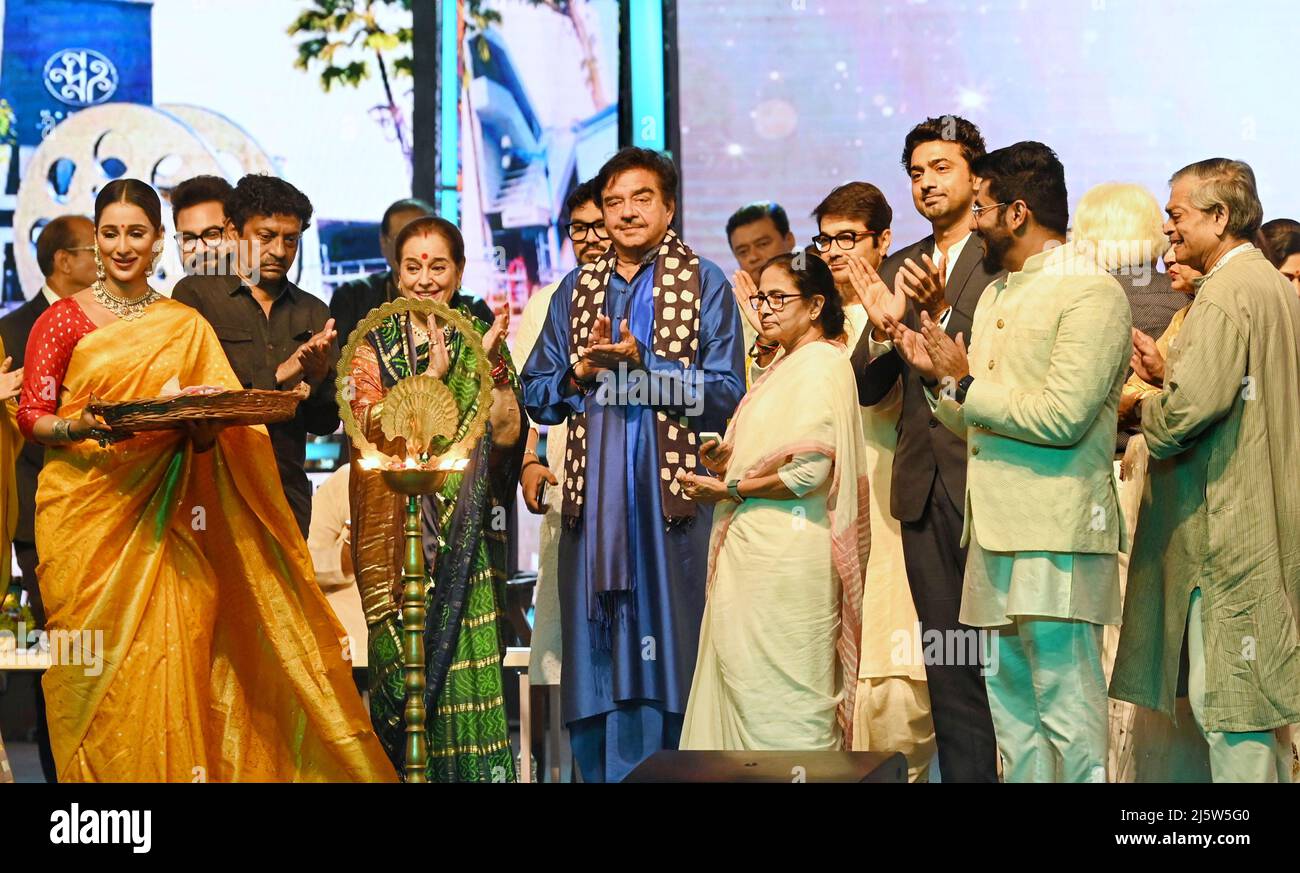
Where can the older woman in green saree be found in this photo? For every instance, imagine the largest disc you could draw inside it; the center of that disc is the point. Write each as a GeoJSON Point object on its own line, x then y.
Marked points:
{"type": "Point", "coordinates": [463, 524]}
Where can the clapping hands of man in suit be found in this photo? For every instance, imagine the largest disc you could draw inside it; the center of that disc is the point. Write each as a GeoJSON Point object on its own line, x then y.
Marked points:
{"type": "Point", "coordinates": [881, 303]}
{"type": "Point", "coordinates": [938, 357]}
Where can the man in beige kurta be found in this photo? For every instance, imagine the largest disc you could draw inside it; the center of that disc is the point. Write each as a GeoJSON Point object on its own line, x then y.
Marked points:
{"type": "Point", "coordinates": [586, 232]}
{"type": "Point", "coordinates": [1217, 550]}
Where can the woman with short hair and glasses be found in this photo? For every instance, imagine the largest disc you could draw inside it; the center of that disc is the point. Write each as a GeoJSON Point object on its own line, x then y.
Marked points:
{"type": "Point", "coordinates": [778, 654]}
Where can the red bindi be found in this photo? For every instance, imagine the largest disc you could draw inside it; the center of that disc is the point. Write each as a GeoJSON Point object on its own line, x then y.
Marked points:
{"type": "Point", "coordinates": [424, 256]}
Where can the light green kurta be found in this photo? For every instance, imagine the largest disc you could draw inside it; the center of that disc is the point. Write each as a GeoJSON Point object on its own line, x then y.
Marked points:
{"type": "Point", "coordinates": [1222, 507]}
{"type": "Point", "coordinates": [1048, 352]}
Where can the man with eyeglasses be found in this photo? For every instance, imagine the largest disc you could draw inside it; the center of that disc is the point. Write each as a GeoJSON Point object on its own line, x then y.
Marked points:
{"type": "Point", "coordinates": [203, 232]}
{"type": "Point", "coordinates": [542, 482]}
{"type": "Point", "coordinates": [943, 275]}
{"type": "Point", "coordinates": [1036, 402]}
{"type": "Point", "coordinates": [65, 252]}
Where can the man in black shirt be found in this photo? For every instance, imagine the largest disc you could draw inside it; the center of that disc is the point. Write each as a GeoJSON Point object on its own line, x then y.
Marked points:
{"type": "Point", "coordinates": [353, 300]}
{"type": "Point", "coordinates": [275, 335]}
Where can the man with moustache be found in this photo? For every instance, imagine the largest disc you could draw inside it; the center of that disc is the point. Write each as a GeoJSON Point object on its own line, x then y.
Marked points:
{"type": "Point", "coordinates": [65, 252]}
{"type": "Point", "coordinates": [1216, 558]}
{"type": "Point", "coordinates": [1036, 402]}
{"type": "Point", "coordinates": [540, 482]}
{"type": "Point", "coordinates": [928, 486]}
{"type": "Point", "coordinates": [276, 335]}
{"type": "Point", "coordinates": [633, 549]}
{"type": "Point", "coordinates": [352, 301]}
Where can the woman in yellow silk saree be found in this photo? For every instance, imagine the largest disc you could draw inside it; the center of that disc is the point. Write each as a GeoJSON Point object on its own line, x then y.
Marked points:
{"type": "Point", "coordinates": [212, 654]}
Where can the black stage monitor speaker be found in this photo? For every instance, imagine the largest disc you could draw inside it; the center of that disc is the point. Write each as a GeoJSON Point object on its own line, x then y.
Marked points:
{"type": "Point", "coordinates": [771, 767]}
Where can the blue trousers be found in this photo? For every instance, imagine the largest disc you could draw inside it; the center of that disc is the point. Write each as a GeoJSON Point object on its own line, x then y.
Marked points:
{"type": "Point", "coordinates": [608, 746]}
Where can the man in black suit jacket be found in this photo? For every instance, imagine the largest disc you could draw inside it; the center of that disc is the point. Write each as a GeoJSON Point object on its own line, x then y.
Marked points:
{"type": "Point", "coordinates": [65, 253]}
{"type": "Point", "coordinates": [944, 274]}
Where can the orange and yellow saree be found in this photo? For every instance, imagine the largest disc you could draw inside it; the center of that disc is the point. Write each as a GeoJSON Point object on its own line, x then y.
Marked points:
{"type": "Point", "coordinates": [207, 651]}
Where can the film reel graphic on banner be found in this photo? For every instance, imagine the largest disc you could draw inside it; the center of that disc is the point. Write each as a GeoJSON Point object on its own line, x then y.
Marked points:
{"type": "Point", "coordinates": [161, 145]}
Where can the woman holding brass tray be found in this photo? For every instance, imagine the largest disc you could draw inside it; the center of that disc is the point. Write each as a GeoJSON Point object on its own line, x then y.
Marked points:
{"type": "Point", "coordinates": [417, 377]}
{"type": "Point", "coordinates": [211, 671]}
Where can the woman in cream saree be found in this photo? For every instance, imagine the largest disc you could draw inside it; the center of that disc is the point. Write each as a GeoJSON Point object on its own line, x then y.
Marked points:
{"type": "Point", "coordinates": [207, 652]}
{"type": "Point", "coordinates": [778, 656]}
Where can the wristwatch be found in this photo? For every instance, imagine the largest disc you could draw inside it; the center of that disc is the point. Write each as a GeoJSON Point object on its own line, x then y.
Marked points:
{"type": "Point", "coordinates": [963, 385]}
{"type": "Point", "coordinates": [733, 488]}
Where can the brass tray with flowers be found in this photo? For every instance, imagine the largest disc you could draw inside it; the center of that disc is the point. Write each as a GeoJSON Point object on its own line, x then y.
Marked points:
{"type": "Point", "coordinates": [199, 403]}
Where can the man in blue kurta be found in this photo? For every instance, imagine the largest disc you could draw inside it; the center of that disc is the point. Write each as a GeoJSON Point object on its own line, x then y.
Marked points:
{"type": "Point", "coordinates": [641, 353]}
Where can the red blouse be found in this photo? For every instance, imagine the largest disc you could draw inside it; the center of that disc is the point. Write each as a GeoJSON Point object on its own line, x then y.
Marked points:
{"type": "Point", "coordinates": [49, 348]}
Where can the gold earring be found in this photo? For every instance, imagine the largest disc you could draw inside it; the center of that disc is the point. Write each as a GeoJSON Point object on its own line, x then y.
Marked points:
{"type": "Point", "coordinates": [99, 264]}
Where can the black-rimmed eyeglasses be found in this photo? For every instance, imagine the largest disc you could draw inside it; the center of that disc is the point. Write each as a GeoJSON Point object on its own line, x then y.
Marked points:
{"type": "Point", "coordinates": [845, 240]}
{"type": "Point", "coordinates": [580, 230]}
{"type": "Point", "coordinates": [775, 301]}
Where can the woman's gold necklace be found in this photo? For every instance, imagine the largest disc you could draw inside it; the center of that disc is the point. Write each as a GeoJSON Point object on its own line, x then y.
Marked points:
{"type": "Point", "coordinates": [124, 308]}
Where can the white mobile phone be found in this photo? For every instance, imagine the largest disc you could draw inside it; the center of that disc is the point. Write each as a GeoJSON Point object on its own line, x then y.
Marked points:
{"type": "Point", "coordinates": [707, 435]}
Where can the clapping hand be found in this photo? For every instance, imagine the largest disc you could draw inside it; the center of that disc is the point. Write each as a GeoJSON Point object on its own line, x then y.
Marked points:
{"type": "Point", "coordinates": [314, 355]}
{"type": "Point", "coordinates": [1147, 361]}
{"type": "Point", "coordinates": [881, 303]}
{"type": "Point", "coordinates": [608, 355]}
{"type": "Point", "coordinates": [496, 333]}
{"type": "Point", "coordinates": [924, 283]}
{"type": "Point", "coordinates": [310, 362]}
{"type": "Point", "coordinates": [947, 356]}
{"type": "Point", "coordinates": [912, 346]}
{"type": "Point", "coordinates": [742, 285]}
{"type": "Point", "coordinates": [599, 334]}
{"type": "Point", "coordinates": [439, 358]}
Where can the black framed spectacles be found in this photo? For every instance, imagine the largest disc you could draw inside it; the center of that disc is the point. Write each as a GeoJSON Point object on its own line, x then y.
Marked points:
{"type": "Point", "coordinates": [845, 239]}
{"type": "Point", "coordinates": [775, 301]}
{"type": "Point", "coordinates": [210, 237]}
{"type": "Point", "coordinates": [579, 230]}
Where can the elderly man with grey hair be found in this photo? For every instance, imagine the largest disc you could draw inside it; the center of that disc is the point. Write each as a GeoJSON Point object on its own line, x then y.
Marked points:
{"type": "Point", "coordinates": [1216, 557]}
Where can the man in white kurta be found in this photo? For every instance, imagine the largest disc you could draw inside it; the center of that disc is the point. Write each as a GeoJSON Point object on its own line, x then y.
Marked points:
{"type": "Point", "coordinates": [586, 231]}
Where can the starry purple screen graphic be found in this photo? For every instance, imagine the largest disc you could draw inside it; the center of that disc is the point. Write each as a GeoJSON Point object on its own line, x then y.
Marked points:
{"type": "Point", "coordinates": [784, 99]}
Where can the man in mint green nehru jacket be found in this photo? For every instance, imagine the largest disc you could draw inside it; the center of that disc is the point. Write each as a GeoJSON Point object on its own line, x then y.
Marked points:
{"type": "Point", "coordinates": [1036, 402]}
{"type": "Point", "coordinates": [1216, 556]}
